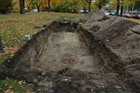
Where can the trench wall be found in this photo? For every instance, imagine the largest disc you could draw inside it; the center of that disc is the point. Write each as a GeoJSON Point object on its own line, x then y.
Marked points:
{"type": "Point", "coordinates": [105, 56]}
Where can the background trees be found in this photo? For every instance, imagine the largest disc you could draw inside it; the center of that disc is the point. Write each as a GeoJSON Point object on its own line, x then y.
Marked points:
{"type": "Point", "coordinates": [89, 4]}
{"type": "Point", "coordinates": [49, 6]}
{"type": "Point", "coordinates": [29, 4]}
{"type": "Point", "coordinates": [124, 4]}
{"type": "Point", "coordinates": [5, 6]}
{"type": "Point", "coordinates": [40, 4]}
{"type": "Point", "coordinates": [101, 3]}
{"type": "Point", "coordinates": [68, 6]}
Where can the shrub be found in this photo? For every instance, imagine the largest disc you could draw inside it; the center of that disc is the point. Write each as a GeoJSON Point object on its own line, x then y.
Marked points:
{"type": "Point", "coordinates": [5, 6]}
{"type": "Point", "coordinates": [66, 6]}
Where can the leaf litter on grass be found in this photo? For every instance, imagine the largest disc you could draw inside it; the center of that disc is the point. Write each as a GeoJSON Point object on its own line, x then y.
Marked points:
{"type": "Point", "coordinates": [12, 29]}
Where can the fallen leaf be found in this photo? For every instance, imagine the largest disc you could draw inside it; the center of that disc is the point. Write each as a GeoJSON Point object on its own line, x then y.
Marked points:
{"type": "Point", "coordinates": [27, 91]}
{"type": "Point", "coordinates": [20, 82]}
{"type": "Point", "coordinates": [8, 91]}
{"type": "Point", "coordinates": [117, 87]}
{"type": "Point", "coordinates": [12, 55]}
{"type": "Point", "coordinates": [0, 88]}
{"type": "Point", "coordinates": [6, 84]}
{"type": "Point", "coordinates": [10, 87]}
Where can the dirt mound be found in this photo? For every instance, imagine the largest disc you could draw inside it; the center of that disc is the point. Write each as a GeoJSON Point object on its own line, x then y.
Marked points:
{"type": "Point", "coordinates": [94, 16]}
{"type": "Point", "coordinates": [117, 40]}
{"type": "Point", "coordinates": [85, 57]}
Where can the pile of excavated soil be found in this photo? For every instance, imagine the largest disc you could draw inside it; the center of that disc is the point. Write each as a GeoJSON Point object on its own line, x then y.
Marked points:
{"type": "Point", "coordinates": [98, 54]}
{"type": "Point", "coordinates": [121, 39]}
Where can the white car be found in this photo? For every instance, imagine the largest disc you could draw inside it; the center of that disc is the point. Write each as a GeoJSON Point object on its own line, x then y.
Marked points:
{"type": "Point", "coordinates": [34, 10]}
{"type": "Point", "coordinates": [106, 13]}
{"type": "Point", "coordinates": [112, 13]}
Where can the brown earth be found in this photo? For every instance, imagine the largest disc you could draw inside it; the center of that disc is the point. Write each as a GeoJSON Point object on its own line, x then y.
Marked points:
{"type": "Point", "coordinates": [97, 54]}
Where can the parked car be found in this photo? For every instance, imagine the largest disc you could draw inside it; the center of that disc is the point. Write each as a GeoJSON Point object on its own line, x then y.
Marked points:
{"type": "Point", "coordinates": [112, 13]}
{"type": "Point", "coordinates": [106, 13]}
{"type": "Point", "coordinates": [34, 10]}
{"type": "Point", "coordinates": [136, 16]}
{"type": "Point", "coordinates": [128, 15]}
{"type": "Point", "coordinates": [83, 11]}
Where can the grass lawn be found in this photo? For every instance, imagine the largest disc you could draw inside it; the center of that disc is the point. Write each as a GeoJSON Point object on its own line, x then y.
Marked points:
{"type": "Point", "coordinates": [134, 20]}
{"type": "Point", "coordinates": [13, 27]}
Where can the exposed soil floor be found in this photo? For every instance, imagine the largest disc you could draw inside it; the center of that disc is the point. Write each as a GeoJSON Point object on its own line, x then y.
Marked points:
{"type": "Point", "coordinates": [67, 65]}
{"type": "Point", "coordinates": [64, 49]}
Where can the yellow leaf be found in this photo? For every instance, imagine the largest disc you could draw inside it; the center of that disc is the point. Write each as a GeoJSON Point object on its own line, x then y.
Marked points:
{"type": "Point", "coordinates": [6, 84]}
{"type": "Point", "coordinates": [20, 82]}
{"type": "Point", "coordinates": [117, 87]}
{"type": "Point", "coordinates": [0, 88]}
{"type": "Point", "coordinates": [8, 91]}
{"type": "Point", "coordinates": [10, 87]}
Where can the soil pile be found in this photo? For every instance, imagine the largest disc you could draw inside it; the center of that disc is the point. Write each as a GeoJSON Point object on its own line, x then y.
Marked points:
{"type": "Point", "coordinates": [93, 16]}
{"type": "Point", "coordinates": [118, 39]}
{"type": "Point", "coordinates": [94, 55]}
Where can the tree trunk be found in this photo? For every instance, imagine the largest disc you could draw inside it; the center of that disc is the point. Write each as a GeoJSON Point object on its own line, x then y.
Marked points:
{"type": "Point", "coordinates": [28, 7]}
{"type": "Point", "coordinates": [49, 6]}
{"type": "Point", "coordinates": [38, 5]}
{"type": "Point", "coordinates": [38, 8]}
{"type": "Point", "coordinates": [133, 7]}
{"type": "Point", "coordinates": [121, 11]}
{"type": "Point", "coordinates": [99, 6]}
{"type": "Point", "coordinates": [89, 8]}
{"type": "Point", "coordinates": [89, 4]}
{"type": "Point", "coordinates": [118, 7]}
{"type": "Point", "coordinates": [22, 10]}
{"type": "Point", "coordinates": [1, 46]}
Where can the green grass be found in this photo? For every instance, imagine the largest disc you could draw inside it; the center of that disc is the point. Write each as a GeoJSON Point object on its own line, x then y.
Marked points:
{"type": "Point", "coordinates": [134, 20]}
{"type": "Point", "coordinates": [2, 58]}
{"type": "Point", "coordinates": [13, 86]}
{"type": "Point", "coordinates": [13, 27]}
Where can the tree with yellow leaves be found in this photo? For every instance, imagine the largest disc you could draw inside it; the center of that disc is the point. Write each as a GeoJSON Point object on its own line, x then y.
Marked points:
{"type": "Point", "coordinates": [68, 6]}
{"type": "Point", "coordinates": [89, 4]}
{"type": "Point", "coordinates": [40, 4]}
{"type": "Point", "coordinates": [5, 6]}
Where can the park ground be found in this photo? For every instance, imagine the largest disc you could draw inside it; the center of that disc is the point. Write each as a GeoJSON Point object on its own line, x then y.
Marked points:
{"type": "Point", "coordinates": [13, 27]}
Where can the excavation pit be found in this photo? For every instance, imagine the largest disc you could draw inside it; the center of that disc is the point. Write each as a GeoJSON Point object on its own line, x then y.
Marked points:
{"type": "Point", "coordinates": [81, 57]}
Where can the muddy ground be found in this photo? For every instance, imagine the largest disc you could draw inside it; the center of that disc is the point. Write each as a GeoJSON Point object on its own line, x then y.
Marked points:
{"type": "Point", "coordinates": [97, 54]}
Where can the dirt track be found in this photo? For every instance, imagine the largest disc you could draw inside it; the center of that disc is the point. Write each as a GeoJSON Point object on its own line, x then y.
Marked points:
{"type": "Point", "coordinates": [82, 57]}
